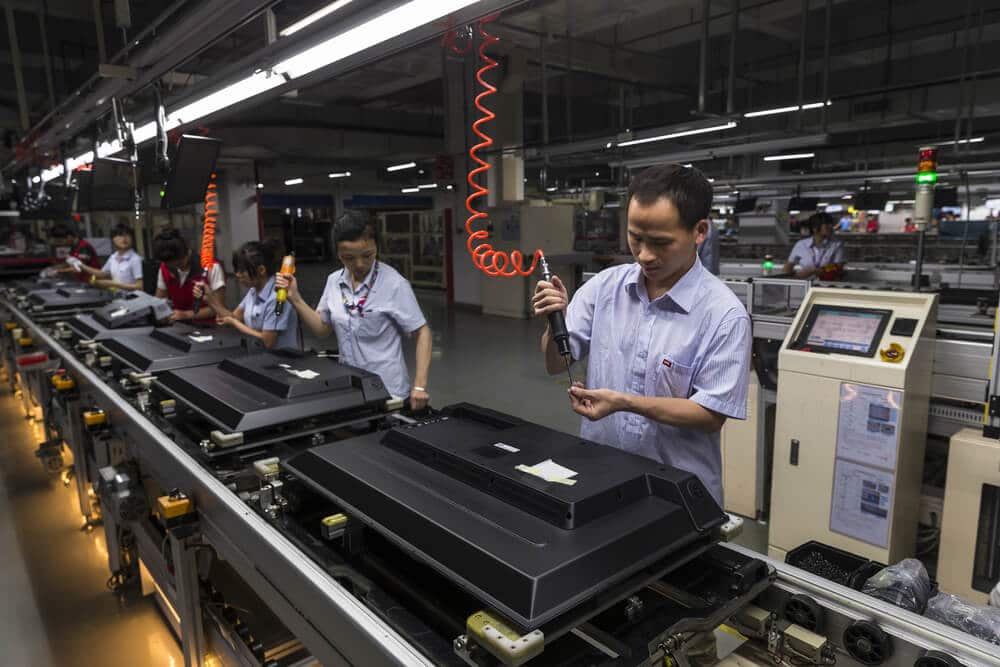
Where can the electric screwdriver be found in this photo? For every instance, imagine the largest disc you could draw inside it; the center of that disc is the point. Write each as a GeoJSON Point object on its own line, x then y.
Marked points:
{"type": "Point", "coordinates": [557, 324]}
{"type": "Point", "coordinates": [287, 269]}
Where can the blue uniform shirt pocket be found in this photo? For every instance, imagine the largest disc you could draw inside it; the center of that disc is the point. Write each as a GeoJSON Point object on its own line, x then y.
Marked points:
{"type": "Point", "coordinates": [673, 378]}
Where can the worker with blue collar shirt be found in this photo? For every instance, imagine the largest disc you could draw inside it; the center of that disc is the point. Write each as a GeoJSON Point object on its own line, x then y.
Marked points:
{"type": "Point", "coordinates": [818, 255]}
{"type": "Point", "coordinates": [668, 343]}
{"type": "Point", "coordinates": [371, 307]}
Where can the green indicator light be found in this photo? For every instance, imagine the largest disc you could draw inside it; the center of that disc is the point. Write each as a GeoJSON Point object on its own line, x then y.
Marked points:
{"type": "Point", "coordinates": [929, 177]}
{"type": "Point", "coordinates": [162, 192]}
{"type": "Point", "coordinates": [768, 265]}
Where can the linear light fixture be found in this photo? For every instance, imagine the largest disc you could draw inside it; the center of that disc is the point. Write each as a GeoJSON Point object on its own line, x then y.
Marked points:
{"type": "Point", "coordinates": [401, 167]}
{"type": "Point", "coordinates": [427, 186]}
{"type": "Point", "coordinates": [789, 109]}
{"type": "Point", "coordinates": [315, 16]}
{"type": "Point", "coordinates": [973, 140]}
{"type": "Point", "coordinates": [409, 190]}
{"type": "Point", "coordinates": [294, 181]}
{"type": "Point", "coordinates": [382, 28]}
{"type": "Point", "coordinates": [674, 135]}
{"type": "Point", "coordinates": [341, 174]}
{"type": "Point", "coordinates": [788, 156]}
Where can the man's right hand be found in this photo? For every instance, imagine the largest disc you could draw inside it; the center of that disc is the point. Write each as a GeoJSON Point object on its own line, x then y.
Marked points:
{"type": "Point", "coordinates": [282, 281]}
{"type": "Point", "coordinates": [549, 297]}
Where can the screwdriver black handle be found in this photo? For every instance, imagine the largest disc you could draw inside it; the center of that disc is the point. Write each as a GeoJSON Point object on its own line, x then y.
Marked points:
{"type": "Point", "coordinates": [557, 319]}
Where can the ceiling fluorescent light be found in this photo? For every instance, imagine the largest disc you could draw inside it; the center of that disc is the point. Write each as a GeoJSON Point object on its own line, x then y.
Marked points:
{"type": "Point", "coordinates": [973, 140]}
{"type": "Point", "coordinates": [255, 84]}
{"type": "Point", "coordinates": [790, 109]}
{"type": "Point", "coordinates": [674, 135]}
{"type": "Point", "coordinates": [341, 174]}
{"type": "Point", "coordinates": [771, 112]}
{"type": "Point", "coordinates": [144, 132]}
{"type": "Point", "coordinates": [401, 167]}
{"type": "Point", "coordinates": [380, 29]}
{"type": "Point", "coordinates": [294, 181]}
{"type": "Point", "coordinates": [409, 190]}
{"type": "Point", "coordinates": [315, 16]}
{"type": "Point", "coordinates": [427, 186]}
{"type": "Point", "coordinates": [789, 156]}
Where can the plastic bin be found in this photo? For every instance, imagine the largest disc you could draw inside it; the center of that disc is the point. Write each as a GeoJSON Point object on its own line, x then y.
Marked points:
{"type": "Point", "coordinates": [828, 562]}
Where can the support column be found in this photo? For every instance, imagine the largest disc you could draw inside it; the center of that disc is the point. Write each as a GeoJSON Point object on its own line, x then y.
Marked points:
{"type": "Point", "coordinates": [15, 61]}
{"type": "Point", "coordinates": [459, 89]}
{"type": "Point", "coordinates": [238, 219]}
{"type": "Point", "coordinates": [186, 585]}
{"type": "Point", "coordinates": [102, 54]}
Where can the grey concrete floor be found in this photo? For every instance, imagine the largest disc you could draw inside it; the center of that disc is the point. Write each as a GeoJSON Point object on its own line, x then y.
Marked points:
{"type": "Point", "coordinates": [54, 606]}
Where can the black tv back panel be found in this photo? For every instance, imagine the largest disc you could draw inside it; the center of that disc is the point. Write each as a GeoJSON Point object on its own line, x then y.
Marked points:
{"type": "Point", "coordinates": [190, 171]}
{"type": "Point", "coordinates": [65, 298]}
{"type": "Point", "coordinates": [453, 492]}
{"type": "Point", "coordinates": [133, 309]}
{"type": "Point", "coordinates": [178, 346]}
{"type": "Point", "coordinates": [273, 388]}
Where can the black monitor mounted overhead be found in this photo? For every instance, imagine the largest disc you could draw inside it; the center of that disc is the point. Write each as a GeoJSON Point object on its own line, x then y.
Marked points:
{"type": "Point", "coordinates": [190, 170]}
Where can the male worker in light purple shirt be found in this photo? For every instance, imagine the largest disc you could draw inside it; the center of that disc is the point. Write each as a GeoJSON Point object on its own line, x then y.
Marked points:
{"type": "Point", "coordinates": [668, 343]}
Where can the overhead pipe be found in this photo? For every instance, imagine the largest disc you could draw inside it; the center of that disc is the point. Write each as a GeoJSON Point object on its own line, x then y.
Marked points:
{"type": "Point", "coordinates": [102, 54]}
{"type": "Point", "coordinates": [826, 59]}
{"type": "Point", "coordinates": [802, 61]}
{"type": "Point", "coordinates": [733, 30]}
{"type": "Point", "coordinates": [961, 80]}
{"type": "Point", "coordinates": [15, 61]}
{"type": "Point", "coordinates": [970, 116]}
{"type": "Point", "coordinates": [706, 10]}
{"type": "Point", "coordinates": [49, 84]}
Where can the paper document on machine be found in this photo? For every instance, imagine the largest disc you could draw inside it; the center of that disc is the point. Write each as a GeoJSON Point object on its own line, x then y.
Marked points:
{"type": "Point", "coordinates": [868, 424]}
{"type": "Point", "coordinates": [861, 503]}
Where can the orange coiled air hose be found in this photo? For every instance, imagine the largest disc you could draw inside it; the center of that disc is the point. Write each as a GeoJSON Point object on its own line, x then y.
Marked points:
{"type": "Point", "coordinates": [484, 257]}
{"type": "Point", "coordinates": [208, 237]}
{"type": "Point", "coordinates": [208, 226]}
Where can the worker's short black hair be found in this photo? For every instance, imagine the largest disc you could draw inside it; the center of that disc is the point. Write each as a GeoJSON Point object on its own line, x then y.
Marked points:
{"type": "Point", "coordinates": [61, 230]}
{"type": "Point", "coordinates": [686, 187]}
{"type": "Point", "coordinates": [122, 229]}
{"type": "Point", "coordinates": [252, 254]}
{"type": "Point", "coordinates": [355, 226]}
{"type": "Point", "coordinates": [169, 245]}
{"type": "Point", "coordinates": [817, 220]}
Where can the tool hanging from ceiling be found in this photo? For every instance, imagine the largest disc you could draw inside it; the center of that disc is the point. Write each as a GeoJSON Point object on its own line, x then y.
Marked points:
{"type": "Point", "coordinates": [492, 262]}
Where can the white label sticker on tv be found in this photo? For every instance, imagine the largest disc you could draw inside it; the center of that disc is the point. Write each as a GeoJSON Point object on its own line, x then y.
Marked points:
{"type": "Point", "coordinates": [507, 448]}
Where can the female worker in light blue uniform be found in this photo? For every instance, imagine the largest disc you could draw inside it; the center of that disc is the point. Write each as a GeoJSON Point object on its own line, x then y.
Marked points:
{"type": "Point", "coordinates": [255, 264]}
{"type": "Point", "coordinates": [372, 308]}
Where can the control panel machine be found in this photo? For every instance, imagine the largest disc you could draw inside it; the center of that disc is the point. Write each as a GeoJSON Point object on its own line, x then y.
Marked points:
{"type": "Point", "coordinates": [851, 423]}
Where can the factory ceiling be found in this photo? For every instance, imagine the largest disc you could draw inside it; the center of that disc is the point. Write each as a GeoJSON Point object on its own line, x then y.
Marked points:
{"type": "Point", "coordinates": [897, 74]}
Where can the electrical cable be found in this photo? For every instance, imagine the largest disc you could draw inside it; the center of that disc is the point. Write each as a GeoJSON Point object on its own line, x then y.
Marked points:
{"type": "Point", "coordinates": [484, 257]}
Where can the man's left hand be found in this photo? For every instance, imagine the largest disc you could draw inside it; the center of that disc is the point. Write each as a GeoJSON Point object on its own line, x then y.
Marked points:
{"type": "Point", "coordinates": [419, 399]}
{"type": "Point", "coordinates": [594, 404]}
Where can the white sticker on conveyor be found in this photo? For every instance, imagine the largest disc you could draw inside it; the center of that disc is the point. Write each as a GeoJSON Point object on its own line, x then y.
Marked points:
{"type": "Point", "coordinates": [200, 339]}
{"type": "Point", "coordinates": [507, 448]}
{"type": "Point", "coordinates": [550, 471]}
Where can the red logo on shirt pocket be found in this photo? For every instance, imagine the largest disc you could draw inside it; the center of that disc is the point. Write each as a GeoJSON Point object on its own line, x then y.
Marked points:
{"type": "Point", "coordinates": [668, 363]}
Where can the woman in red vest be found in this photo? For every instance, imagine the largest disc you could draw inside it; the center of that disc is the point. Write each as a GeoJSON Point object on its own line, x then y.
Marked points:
{"type": "Point", "coordinates": [180, 270]}
{"type": "Point", "coordinates": [80, 253]}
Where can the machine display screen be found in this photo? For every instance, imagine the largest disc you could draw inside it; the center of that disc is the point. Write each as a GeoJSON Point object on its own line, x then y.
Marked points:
{"type": "Point", "coordinates": [843, 329]}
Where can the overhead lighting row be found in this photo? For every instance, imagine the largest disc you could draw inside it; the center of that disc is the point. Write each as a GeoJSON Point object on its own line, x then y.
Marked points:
{"type": "Point", "coordinates": [789, 109]}
{"type": "Point", "coordinates": [365, 35]}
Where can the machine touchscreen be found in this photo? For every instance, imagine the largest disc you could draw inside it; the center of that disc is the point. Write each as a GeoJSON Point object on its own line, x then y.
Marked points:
{"type": "Point", "coordinates": [843, 330]}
